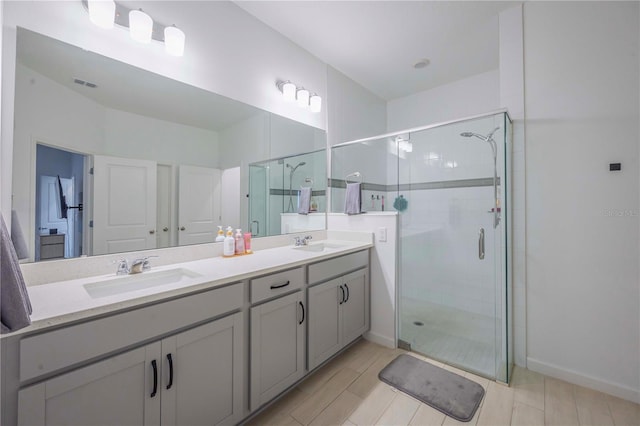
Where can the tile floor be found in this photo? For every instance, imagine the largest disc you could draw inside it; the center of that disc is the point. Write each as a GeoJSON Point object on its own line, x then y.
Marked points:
{"type": "Point", "coordinates": [346, 391]}
{"type": "Point", "coordinates": [465, 338]}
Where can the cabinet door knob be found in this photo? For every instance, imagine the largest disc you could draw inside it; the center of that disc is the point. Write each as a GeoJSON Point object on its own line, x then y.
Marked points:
{"type": "Point", "coordinates": [154, 365]}
{"type": "Point", "coordinates": [165, 229]}
{"type": "Point", "coordinates": [342, 299]}
{"type": "Point", "coordinates": [170, 360]}
{"type": "Point", "coordinates": [347, 287]}
{"type": "Point", "coordinates": [182, 228]}
{"type": "Point", "coordinates": [302, 306]}
{"type": "Point", "coordinates": [152, 231]}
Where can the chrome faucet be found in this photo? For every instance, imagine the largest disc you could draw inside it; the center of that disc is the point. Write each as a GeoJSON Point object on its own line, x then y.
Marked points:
{"type": "Point", "coordinates": [123, 267]}
{"type": "Point", "coordinates": [141, 265]}
{"type": "Point", "coordinates": [302, 241]}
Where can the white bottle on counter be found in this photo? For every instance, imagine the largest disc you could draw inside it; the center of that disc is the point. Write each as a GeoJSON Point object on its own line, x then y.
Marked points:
{"type": "Point", "coordinates": [229, 246]}
{"type": "Point", "coordinates": [220, 237]}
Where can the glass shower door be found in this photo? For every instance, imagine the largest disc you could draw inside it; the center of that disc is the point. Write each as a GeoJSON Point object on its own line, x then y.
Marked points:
{"type": "Point", "coordinates": [450, 295]}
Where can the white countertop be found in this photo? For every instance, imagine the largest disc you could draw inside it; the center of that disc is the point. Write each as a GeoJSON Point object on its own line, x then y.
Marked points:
{"type": "Point", "coordinates": [66, 301]}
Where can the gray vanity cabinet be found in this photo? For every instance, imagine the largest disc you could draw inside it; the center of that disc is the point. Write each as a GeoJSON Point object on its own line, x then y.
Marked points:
{"type": "Point", "coordinates": [193, 377]}
{"type": "Point", "coordinates": [338, 314]}
{"type": "Point", "coordinates": [114, 391]}
{"type": "Point", "coordinates": [277, 346]}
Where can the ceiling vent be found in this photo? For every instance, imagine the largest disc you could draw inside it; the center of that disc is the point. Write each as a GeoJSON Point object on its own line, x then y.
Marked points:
{"type": "Point", "coordinates": [85, 83]}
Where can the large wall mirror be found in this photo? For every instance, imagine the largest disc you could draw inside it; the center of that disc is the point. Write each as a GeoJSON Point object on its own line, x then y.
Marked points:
{"type": "Point", "coordinates": [109, 158]}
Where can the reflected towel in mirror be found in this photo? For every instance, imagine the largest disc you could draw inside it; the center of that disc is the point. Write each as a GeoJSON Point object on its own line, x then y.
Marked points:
{"type": "Point", "coordinates": [353, 199]}
{"type": "Point", "coordinates": [304, 200]}
{"type": "Point", "coordinates": [15, 306]}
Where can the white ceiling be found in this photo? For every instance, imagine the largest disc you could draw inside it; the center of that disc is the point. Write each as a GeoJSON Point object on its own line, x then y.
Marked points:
{"type": "Point", "coordinates": [376, 43]}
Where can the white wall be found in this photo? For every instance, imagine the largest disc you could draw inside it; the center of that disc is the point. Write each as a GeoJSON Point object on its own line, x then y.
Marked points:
{"type": "Point", "coordinates": [512, 98]}
{"type": "Point", "coordinates": [384, 256]}
{"type": "Point", "coordinates": [473, 95]}
{"type": "Point", "coordinates": [582, 112]}
{"type": "Point", "coordinates": [354, 112]}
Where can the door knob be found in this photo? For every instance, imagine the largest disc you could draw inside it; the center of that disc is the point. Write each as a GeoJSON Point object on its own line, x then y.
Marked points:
{"type": "Point", "coordinates": [182, 228]}
{"type": "Point", "coordinates": [153, 231]}
{"type": "Point", "coordinates": [165, 229]}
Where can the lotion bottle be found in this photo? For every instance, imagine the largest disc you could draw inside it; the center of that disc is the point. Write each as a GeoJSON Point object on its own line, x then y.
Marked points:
{"type": "Point", "coordinates": [220, 237]}
{"type": "Point", "coordinates": [239, 242]}
{"type": "Point", "coordinates": [228, 247]}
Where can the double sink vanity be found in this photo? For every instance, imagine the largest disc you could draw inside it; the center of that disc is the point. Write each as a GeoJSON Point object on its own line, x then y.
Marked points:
{"type": "Point", "coordinates": [209, 341]}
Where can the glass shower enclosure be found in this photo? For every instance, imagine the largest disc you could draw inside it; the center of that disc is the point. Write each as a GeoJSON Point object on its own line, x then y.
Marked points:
{"type": "Point", "coordinates": [449, 184]}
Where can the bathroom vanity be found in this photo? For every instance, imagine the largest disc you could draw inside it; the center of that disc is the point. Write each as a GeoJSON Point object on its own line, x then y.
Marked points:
{"type": "Point", "coordinates": [201, 342]}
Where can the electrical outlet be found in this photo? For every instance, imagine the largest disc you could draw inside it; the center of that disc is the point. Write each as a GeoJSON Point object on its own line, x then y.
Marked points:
{"type": "Point", "coordinates": [382, 234]}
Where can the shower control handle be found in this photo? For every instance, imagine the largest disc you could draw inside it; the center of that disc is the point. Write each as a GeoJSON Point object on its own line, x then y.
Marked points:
{"type": "Point", "coordinates": [481, 244]}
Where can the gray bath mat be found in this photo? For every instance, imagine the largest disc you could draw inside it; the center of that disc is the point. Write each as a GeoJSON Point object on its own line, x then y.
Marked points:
{"type": "Point", "coordinates": [443, 390]}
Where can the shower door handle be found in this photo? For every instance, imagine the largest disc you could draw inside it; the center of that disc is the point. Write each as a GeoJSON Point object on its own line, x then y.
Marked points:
{"type": "Point", "coordinates": [481, 244]}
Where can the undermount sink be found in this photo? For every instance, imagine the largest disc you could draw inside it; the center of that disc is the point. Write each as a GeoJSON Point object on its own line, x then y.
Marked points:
{"type": "Point", "coordinates": [318, 247]}
{"type": "Point", "coordinates": [141, 281]}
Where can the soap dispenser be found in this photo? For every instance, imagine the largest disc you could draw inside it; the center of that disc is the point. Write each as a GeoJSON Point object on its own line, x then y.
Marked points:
{"type": "Point", "coordinates": [228, 247]}
{"type": "Point", "coordinates": [220, 237]}
{"type": "Point", "coordinates": [239, 242]}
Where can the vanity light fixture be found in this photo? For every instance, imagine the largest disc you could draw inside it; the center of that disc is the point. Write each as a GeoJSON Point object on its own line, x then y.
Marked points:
{"type": "Point", "coordinates": [288, 90]}
{"type": "Point", "coordinates": [315, 103]}
{"type": "Point", "coordinates": [140, 26]}
{"type": "Point", "coordinates": [107, 14]}
{"type": "Point", "coordinates": [174, 41]}
{"type": "Point", "coordinates": [302, 96]}
{"type": "Point", "coordinates": [102, 12]}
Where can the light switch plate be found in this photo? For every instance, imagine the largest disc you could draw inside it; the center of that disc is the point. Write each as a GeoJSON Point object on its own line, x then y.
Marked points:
{"type": "Point", "coordinates": [382, 234]}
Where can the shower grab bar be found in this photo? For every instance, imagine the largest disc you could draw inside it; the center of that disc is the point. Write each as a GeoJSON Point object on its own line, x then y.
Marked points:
{"type": "Point", "coordinates": [354, 174]}
{"type": "Point", "coordinates": [481, 244]}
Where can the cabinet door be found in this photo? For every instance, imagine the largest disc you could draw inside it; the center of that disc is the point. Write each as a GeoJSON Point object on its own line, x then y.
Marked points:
{"type": "Point", "coordinates": [325, 334]}
{"type": "Point", "coordinates": [202, 374]}
{"type": "Point", "coordinates": [355, 310]}
{"type": "Point", "coordinates": [116, 391]}
{"type": "Point", "coordinates": [277, 346]}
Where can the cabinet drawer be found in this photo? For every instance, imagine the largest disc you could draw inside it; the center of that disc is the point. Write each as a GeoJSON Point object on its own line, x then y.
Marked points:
{"type": "Point", "coordinates": [48, 352]}
{"type": "Point", "coordinates": [323, 271]}
{"type": "Point", "coordinates": [46, 240]}
{"type": "Point", "coordinates": [272, 285]}
{"type": "Point", "coordinates": [52, 251]}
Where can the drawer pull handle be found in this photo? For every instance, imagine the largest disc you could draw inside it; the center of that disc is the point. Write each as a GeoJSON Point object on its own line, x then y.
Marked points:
{"type": "Point", "coordinates": [154, 365]}
{"type": "Point", "coordinates": [347, 287]}
{"type": "Point", "coordinates": [302, 306]}
{"type": "Point", "coordinates": [170, 360]}
{"type": "Point", "coordinates": [275, 286]}
{"type": "Point", "coordinates": [342, 300]}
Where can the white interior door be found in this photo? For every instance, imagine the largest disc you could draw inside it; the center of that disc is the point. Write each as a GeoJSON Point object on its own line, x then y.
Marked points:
{"type": "Point", "coordinates": [198, 204]}
{"type": "Point", "coordinates": [165, 195]}
{"type": "Point", "coordinates": [230, 193]}
{"type": "Point", "coordinates": [124, 217]}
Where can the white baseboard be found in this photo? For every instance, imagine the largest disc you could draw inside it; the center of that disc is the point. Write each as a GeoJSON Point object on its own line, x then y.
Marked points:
{"type": "Point", "coordinates": [380, 339]}
{"type": "Point", "coordinates": [615, 389]}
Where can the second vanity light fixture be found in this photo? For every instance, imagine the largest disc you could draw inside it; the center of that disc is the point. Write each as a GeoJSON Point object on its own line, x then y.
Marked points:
{"type": "Point", "coordinates": [303, 97]}
{"type": "Point", "coordinates": [106, 13]}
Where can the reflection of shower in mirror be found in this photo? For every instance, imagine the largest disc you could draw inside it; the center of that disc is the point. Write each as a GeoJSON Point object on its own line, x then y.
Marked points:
{"type": "Point", "coordinates": [293, 170]}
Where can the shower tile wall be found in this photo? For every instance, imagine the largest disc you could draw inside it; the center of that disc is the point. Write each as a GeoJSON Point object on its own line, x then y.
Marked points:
{"type": "Point", "coordinates": [435, 222]}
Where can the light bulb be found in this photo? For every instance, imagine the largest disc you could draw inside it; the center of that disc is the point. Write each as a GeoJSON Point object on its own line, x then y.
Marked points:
{"type": "Point", "coordinates": [289, 91]}
{"type": "Point", "coordinates": [174, 41]}
{"type": "Point", "coordinates": [140, 26]}
{"type": "Point", "coordinates": [102, 12]}
{"type": "Point", "coordinates": [303, 98]}
{"type": "Point", "coordinates": [315, 102]}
